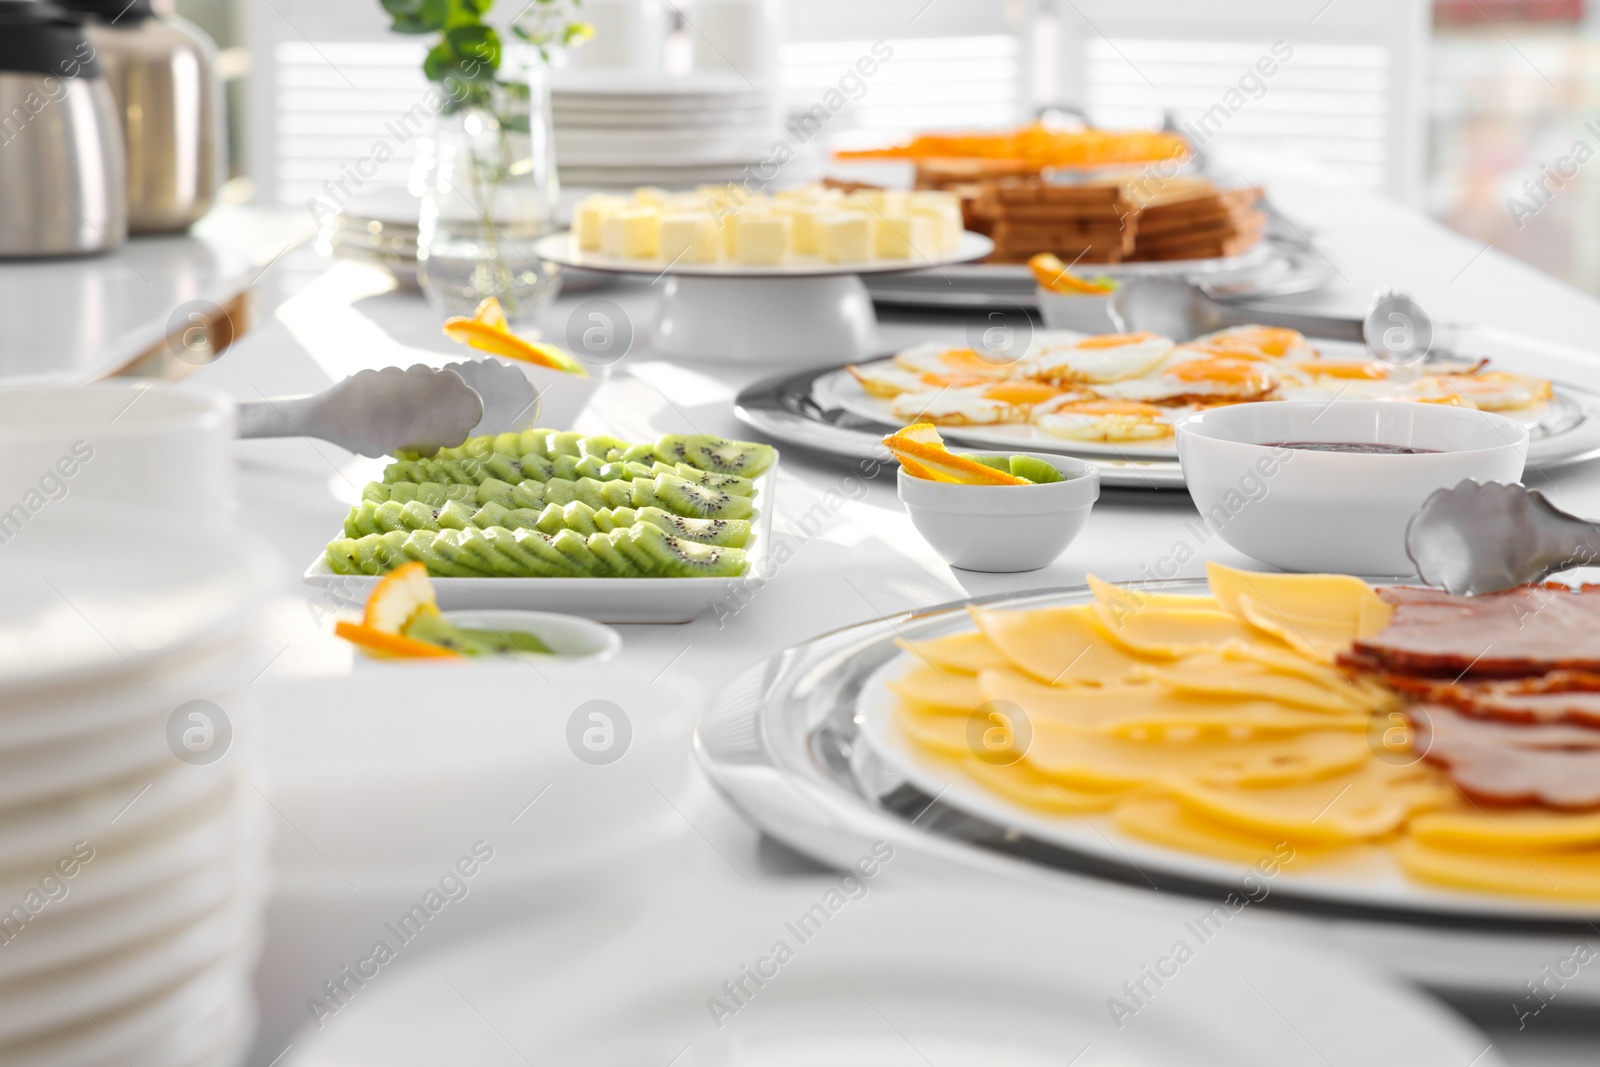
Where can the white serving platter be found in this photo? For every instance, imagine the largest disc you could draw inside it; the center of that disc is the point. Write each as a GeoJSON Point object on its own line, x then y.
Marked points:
{"type": "Point", "coordinates": [563, 248]}
{"type": "Point", "coordinates": [615, 600]}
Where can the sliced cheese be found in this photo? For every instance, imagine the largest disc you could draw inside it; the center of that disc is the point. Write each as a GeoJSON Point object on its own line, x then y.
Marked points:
{"type": "Point", "coordinates": [1556, 875]}
{"type": "Point", "coordinates": [1217, 675]}
{"type": "Point", "coordinates": [1169, 633]}
{"type": "Point", "coordinates": [971, 651]}
{"type": "Point", "coordinates": [1084, 759]}
{"type": "Point", "coordinates": [1058, 646]}
{"type": "Point", "coordinates": [1508, 830]}
{"type": "Point", "coordinates": [1166, 822]}
{"type": "Point", "coordinates": [938, 687]}
{"type": "Point", "coordinates": [1147, 712]}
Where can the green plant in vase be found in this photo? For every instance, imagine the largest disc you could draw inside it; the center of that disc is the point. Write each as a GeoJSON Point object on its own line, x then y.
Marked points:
{"type": "Point", "coordinates": [488, 172]}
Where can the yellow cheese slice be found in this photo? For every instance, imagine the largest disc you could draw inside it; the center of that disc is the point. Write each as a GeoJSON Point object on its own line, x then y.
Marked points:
{"type": "Point", "coordinates": [1166, 822]}
{"type": "Point", "coordinates": [1371, 801]}
{"type": "Point", "coordinates": [1557, 875]}
{"type": "Point", "coordinates": [1218, 675]}
{"type": "Point", "coordinates": [1168, 633]}
{"type": "Point", "coordinates": [1058, 646]}
{"type": "Point", "coordinates": [970, 652]}
{"type": "Point", "coordinates": [1288, 661]}
{"type": "Point", "coordinates": [1021, 785]}
{"type": "Point", "coordinates": [944, 688]}
{"type": "Point", "coordinates": [1123, 600]}
{"type": "Point", "coordinates": [1508, 830]}
{"type": "Point", "coordinates": [1146, 712]}
{"type": "Point", "coordinates": [1335, 597]}
{"type": "Point", "coordinates": [1089, 761]}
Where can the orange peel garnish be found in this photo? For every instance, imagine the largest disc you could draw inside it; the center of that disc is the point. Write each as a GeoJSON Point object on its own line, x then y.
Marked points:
{"type": "Point", "coordinates": [921, 451]}
{"type": "Point", "coordinates": [1057, 277]}
{"type": "Point", "coordinates": [390, 645]}
{"type": "Point", "coordinates": [398, 597]}
{"type": "Point", "coordinates": [488, 331]}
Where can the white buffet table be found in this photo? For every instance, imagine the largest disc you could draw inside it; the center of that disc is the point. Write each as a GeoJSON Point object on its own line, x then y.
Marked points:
{"type": "Point", "coordinates": [864, 560]}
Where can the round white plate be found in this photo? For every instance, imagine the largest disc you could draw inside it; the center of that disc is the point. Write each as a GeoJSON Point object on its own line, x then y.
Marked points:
{"type": "Point", "coordinates": [1372, 879]}
{"type": "Point", "coordinates": [563, 248]}
{"type": "Point", "coordinates": [892, 977]}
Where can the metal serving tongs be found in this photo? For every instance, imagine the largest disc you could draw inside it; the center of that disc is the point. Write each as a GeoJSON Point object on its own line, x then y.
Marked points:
{"type": "Point", "coordinates": [1182, 310]}
{"type": "Point", "coordinates": [419, 409]}
{"type": "Point", "coordinates": [1481, 538]}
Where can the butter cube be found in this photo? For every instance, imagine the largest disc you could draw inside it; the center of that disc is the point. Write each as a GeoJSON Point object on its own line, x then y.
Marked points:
{"type": "Point", "coordinates": [632, 233]}
{"type": "Point", "coordinates": [589, 216]}
{"type": "Point", "coordinates": [689, 237]}
{"type": "Point", "coordinates": [900, 235]}
{"type": "Point", "coordinates": [761, 239]}
{"type": "Point", "coordinates": [945, 209]}
{"type": "Point", "coordinates": [649, 196]}
{"type": "Point", "coordinates": [802, 225]}
{"type": "Point", "coordinates": [844, 236]}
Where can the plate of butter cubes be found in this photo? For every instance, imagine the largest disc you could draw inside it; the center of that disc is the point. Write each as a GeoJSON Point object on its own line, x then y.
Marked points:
{"type": "Point", "coordinates": [590, 525]}
{"type": "Point", "coordinates": [725, 231]}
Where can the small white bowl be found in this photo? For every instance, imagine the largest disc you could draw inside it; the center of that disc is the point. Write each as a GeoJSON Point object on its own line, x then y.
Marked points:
{"type": "Point", "coordinates": [571, 640]}
{"type": "Point", "coordinates": [1003, 527]}
{"type": "Point", "coordinates": [1074, 311]}
{"type": "Point", "coordinates": [1345, 512]}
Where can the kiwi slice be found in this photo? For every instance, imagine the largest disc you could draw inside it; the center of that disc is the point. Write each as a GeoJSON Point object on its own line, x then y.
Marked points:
{"type": "Point", "coordinates": [692, 500]}
{"type": "Point", "coordinates": [716, 454]}
{"type": "Point", "coordinates": [575, 546]}
{"type": "Point", "coordinates": [604, 548]}
{"type": "Point", "coordinates": [676, 558]}
{"type": "Point", "coordinates": [1035, 470]}
{"type": "Point", "coordinates": [727, 533]}
{"type": "Point", "coordinates": [728, 483]}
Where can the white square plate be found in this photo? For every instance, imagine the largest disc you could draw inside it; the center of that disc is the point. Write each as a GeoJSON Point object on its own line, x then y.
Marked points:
{"type": "Point", "coordinates": [602, 599]}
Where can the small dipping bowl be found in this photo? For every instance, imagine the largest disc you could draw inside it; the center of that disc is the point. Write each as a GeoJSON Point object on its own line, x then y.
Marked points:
{"type": "Point", "coordinates": [1083, 312]}
{"type": "Point", "coordinates": [1305, 510]}
{"type": "Point", "coordinates": [1003, 527]}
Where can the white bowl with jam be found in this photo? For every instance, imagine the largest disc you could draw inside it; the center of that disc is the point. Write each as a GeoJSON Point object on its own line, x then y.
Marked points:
{"type": "Point", "coordinates": [1331, 486]}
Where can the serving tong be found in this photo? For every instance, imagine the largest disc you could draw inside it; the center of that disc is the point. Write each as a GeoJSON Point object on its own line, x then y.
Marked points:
{"type": "Point", "coordinates": [1485, 537]}
{"type": "Point", "coordinates": [418, 409]}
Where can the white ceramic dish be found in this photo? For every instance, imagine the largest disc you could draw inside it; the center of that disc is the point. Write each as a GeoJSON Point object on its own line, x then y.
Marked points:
{"type": "Point", "coordinates": [971, 976]}
{"type": "Point", "coordinates": [1083, 312]}
{"type": "Point", "coordinates": [574, 641]}
{"type": "Point", "coordinates": [616, 600]}
{"type": "Point", "coordinates": [1305, 510]}
{"type": "Point", "coordinates": [563, 248]}
{"type": "Point", "coordinates": [166, 450]}
{"type": "Point", "coordinates": [1003, 528]}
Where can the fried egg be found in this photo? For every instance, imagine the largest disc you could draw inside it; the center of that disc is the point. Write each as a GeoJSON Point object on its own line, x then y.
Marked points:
{"type": "Point", "coordinates": [1183, 378]}
{"type": "Point", "coordinates": [978, 405]}
{"type": "Point", "coordinates": [1490, 391]}
{"type": "Point", "coordinates": [885, 379]}
{"type": "Point", "coordinates": [1109, 357]}
{"type": "Point", "coordinates": [955, 362]}
{"type": "Point", "coordinates": [1257, 342]}
{"type": "Point", "coordinates": [1103, 420]}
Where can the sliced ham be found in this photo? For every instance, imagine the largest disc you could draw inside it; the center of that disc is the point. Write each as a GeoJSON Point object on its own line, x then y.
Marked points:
{"type": "Point", "coordinates": [1560, 696]}
{"type": "Point", "coordinates": [1530, 630]}
{"type": "Point", "coordinates": [1554, 764]}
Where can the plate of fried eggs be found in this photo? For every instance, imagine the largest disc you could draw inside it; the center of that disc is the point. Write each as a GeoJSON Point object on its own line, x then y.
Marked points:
{"type": "Point", "coordinates": [1121, 394]}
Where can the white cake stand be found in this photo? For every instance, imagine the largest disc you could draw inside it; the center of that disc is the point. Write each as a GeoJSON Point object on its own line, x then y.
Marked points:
{"type": "Point", "coordinates": [803, 312]}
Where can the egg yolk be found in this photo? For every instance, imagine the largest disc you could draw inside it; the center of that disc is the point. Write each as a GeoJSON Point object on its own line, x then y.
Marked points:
{"type": "Point", "coordinates": [1021, 392]}
{"type": "Point", "coordinates": [1366, 371]}
{"type": "Point", "coordinates": [1232, 372]}
{"type": "Point", "coordinates": [969, 360]}
{"type": "Point", "coordinates": [1270, 340]}
{"type": "Point", "coordinates": [1116, 340]}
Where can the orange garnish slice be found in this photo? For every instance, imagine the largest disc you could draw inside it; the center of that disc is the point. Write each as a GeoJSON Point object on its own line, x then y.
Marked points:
{"type": "Point", "coordinates": [390, 645]}
{"type": "Point", "coordinates": [398, 597]}
{"type": "Point", "coordinates": [488, 331]}
{"type": "Point", "coordinates": [921, 450]}
{"type": "Point", "coordinates": [1054, 275]}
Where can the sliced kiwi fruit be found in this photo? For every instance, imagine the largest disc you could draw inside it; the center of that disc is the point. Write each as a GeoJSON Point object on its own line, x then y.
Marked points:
{"type": "Point", "coordinates": [690, 499]}
{"type": "Point", "coordinates": [716, 454]}
{"type": "Point", "coordinates": [533, 549]}
{"type": "Point", "coordinates": [678, 558]}
{"type": "Point", "coordinates": [998, 463]}
{"type": "Point", "coordinates": [604, 548]}
{"type": "Point", "coordinates": [726, 533]}
{"type": "Point", "coordinates": [1035, 470]}
{"type": "Point", "coordinates": [575, 547]}
{"type": "Point", "coordinates": [728, 483]}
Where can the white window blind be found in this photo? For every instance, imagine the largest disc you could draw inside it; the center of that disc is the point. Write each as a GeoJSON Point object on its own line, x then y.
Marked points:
{"type": "Point", "coordinates": [1327, 102]}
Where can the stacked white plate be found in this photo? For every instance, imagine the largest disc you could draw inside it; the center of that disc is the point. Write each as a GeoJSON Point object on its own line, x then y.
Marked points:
{"type": "Point", "coordinates": [378, 227]}
{"type": "Point", "coordinates": [622, 129]}
{"type": "Point", "coordinates": [132, 851]}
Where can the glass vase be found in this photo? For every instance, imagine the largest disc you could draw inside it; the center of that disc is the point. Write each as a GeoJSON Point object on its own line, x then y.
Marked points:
{"type": "Point", "coordinates": [489, 191]}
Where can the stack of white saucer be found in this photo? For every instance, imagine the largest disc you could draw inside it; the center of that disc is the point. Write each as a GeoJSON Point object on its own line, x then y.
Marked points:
{"type": "Point", "coordinates": [132, 847]}
{"type": "Point", "coordinates": [618, 129]}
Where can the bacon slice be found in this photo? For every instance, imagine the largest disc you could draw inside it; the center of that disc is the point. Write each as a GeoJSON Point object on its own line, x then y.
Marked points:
{"type": "Point", "coordinates": [1561, 696]}
{"type": "Point", "coordinates": [1529, 630]}
{"type": "Point", "coordinates": [1555, 764]}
